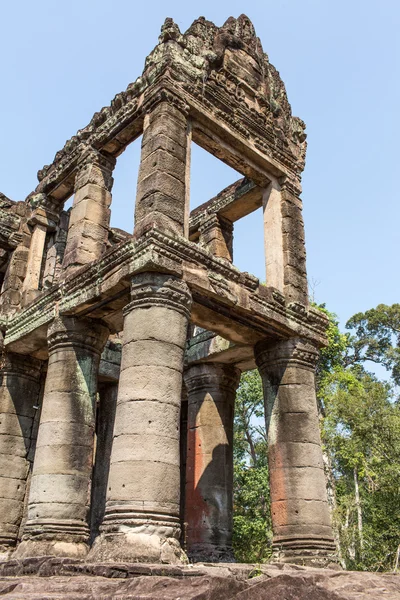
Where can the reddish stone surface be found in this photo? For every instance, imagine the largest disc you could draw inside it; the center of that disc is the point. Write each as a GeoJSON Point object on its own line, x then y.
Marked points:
{"type": "Point", "coordinates": [233, 582]}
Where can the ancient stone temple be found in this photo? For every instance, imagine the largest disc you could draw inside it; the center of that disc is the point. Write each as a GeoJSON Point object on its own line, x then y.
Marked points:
{"type": "Point", "coordinates": [121, 354]}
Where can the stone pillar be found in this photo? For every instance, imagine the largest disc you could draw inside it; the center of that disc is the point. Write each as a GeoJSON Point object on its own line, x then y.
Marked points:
{"type": "Point", "coordinates": [183, 458]}
{"type": "Point", "coordinates": [209, 473]}
{"type": "Point", "coordinates": [105, 418]}
{"type": "Point", "coordinates": [59, 496]}
{"type": "Point", "coordinates": [19, 395]}
{"type": "Point", "coordinates": [216, 234]}
{"type": "Point", "coordinates": [141, 521]}
{"type": "Point", "coordinates": [90, 215]}
{"type": "Point", "coordinates": [163, 184]}
{"type": "Point", "coordinates": [273, 236]}
{"type": "Point", "coordinates": [41, 225]}
{"type": "Point", "coordinates": [285, 254]}
{"type": "Point", "coordinates": [300, 512]}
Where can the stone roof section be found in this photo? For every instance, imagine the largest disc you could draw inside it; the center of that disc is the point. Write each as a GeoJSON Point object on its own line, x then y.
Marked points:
{"type": "Point", "coordinates": [223, 68]}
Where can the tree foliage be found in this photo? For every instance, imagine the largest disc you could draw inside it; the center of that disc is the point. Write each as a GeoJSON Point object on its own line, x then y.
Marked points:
{"type": "Point", "coordinates": [252, 532]}
{"type": "Point", "coordinates": [361, 437]}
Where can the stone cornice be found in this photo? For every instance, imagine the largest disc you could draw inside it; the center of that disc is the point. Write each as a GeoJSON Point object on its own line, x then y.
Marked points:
{"type": "Point", "coordinates": [215, 283]}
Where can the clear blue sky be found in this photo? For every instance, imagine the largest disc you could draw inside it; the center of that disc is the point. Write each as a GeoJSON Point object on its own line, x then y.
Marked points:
{"type": "Point", "coordinates": [62, 61]}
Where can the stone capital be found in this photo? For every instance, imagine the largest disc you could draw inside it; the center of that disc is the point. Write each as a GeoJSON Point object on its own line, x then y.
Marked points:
{"type": "Point", "coordinates": [155, 289]}
{"type": "Point", "coordinates": [21, 365]}
{"type": "Point", "coordinates": [208, 376]}
{"type": "Point", "coordinates": [96, 168]}
{"type": "Point", "coordinates": [165, 96]}
{"type": "Point", "coordinates": [72, 332]}
{"type": "Point", "coordinates": [293, 352]}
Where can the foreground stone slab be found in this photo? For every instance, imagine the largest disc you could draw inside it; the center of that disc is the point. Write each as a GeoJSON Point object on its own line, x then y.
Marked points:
{"type": "Point", "coordinates": [64, 579]}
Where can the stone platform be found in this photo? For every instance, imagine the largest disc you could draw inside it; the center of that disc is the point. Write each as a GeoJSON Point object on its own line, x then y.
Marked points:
{"type": "Point", "coordinates": [64, 579]}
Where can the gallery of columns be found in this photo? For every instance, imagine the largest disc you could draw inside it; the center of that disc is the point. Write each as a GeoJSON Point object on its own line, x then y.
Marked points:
{"type": "Point", "coordinates": [122, 354]}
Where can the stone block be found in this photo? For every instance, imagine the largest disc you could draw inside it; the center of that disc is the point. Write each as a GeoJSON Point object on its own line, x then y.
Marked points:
{"type": "Point", "coordinates": [130, 447]}
{"type": "Point", "coordinates": [16, 467]}
{"type": "Point", "coordinates": [59, 433]}
{"type": "Point", "coordinates": [294, 427]}
{"type": "Point", "coordinates": [57, 510]}
{"type": "Point", "coordinates": [164, 183]}
{"type": "Point", "coordinates": [92, 209]}
{"type": "Point", "coordinates": [11, 424]}
{"type": "Point", "coordinates": [163, 142]}
{"type": "Point", "coordinates": [297, 512]}
{"type": "Point", "coordinates": [307, 483]}
{"type": "Point", "coordinates": [164, 162]}
{"type": "Point", "coordinates": [152, 352]}
{"type": "Point", "coordinates": [147, 418]}
{"type": "Point", "coordinates": [150, 383]}
{"type": "Point", "coordinates": [155, 322]}
{"type": "Point", "coordinates": [143, 481]}
{"type": "Point", "coordinates": [63, 459]}
{"type": "Point", "coordinates": [170, 128]}
{"type": "Point", "coordinates": [294, 454]}
{"type": "Point", "coordinates": [10, 511]}
{"type": "Point", "coordinates": [12, 488]}
{"type": "Point", "coordinates": [59, 488]}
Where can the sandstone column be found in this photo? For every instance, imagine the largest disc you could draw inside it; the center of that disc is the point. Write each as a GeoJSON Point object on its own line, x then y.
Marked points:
{"type": "Point", "coordinates": [19, 395]}
{"type": "Point", "coordinates": [90, 214]}
{"type": "Point", "coordinates": [141, 521]}
{"type": "Point", "coordinates": [216, 234]}
{"type": "Point", "coordinates": [59, 496]}
{"type": "Point", "coordinates": [300, 513]}
{"type": "Point", "coordinates": [273, 236]}
{"type": "Point", "coordinates": [41, 225]}
{"type": "Point", "coordinates": [105, 418]}
{"type": "Point", "coordinates": [285, 254]}
{"type": "Point", "coordinates": [163, 183]}
{"type": "Point", "coordinates": [209, 473]}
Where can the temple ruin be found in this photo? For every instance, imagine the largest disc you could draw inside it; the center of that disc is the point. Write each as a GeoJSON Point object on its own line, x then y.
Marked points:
{"type": "Point", "coordinates": [121, 354]}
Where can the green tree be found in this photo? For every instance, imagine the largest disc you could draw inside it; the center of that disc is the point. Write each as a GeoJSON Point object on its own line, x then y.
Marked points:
{"type": "Point", "coordinates": [376, 337]}
{"type": "Point", "coordinates": [252, 531]}
{"type": "Point", "coordinates": [360, 428]}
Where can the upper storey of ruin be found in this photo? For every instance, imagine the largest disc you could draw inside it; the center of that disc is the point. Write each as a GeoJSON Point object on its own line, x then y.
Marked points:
{"type": "Point", "coordinates": [210, 85]}
{"type": "Point", "coordinates": [224, 77]}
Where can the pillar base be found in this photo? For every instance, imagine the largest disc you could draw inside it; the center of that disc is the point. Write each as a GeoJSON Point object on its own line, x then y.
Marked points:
{"type": "Point", "coordinates": [209, 553]}
{"type": "Point", "coordinates": [308, 553]}
{"type": "Point", "coordinates": [43, 547]}
{"type": "Point", "coordinates": [6, 552]}
{"type": "Point", "coordinates": [136, 546]}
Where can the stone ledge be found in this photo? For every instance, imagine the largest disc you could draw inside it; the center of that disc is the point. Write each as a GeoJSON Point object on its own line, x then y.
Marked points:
{"type": "Point", "coordinates": [65, 579]}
